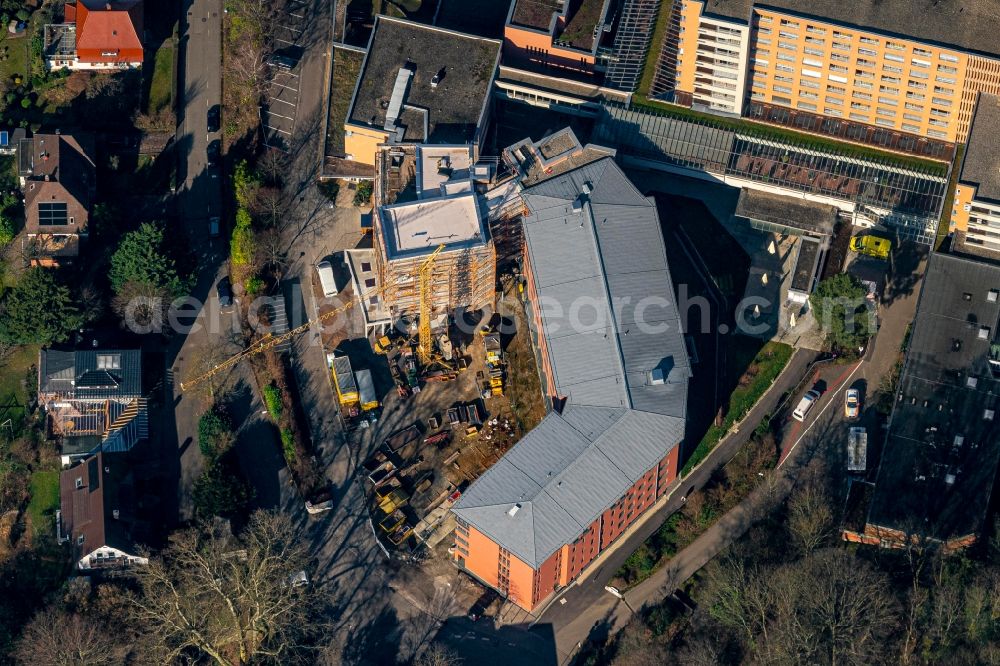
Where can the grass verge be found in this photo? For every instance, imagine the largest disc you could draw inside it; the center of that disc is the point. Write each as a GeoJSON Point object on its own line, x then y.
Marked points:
{"type": "Point", "coordinates": [161, 86]}
{"type": "Point", "coordinates": [655, 47]}
{"type": "Point", "coordinates": [44, 501]}
{"type": "Point", "coordinates": [727, 487]}
{"type": "Point", "coordinates": [758, 377]}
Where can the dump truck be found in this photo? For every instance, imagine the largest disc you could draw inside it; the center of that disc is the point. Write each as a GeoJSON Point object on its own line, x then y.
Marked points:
{"type": "Point", "coordinates": [857, 449]}
{"type": "Point", "coordinates": [343, 380]}
{"type": "Point", "coordinates": [872, 246]}
{"type": "Point", "coordinates": [366, 390]}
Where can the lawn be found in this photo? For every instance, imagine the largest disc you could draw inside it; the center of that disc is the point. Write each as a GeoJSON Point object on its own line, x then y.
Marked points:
{"type": "Point", "coordinates": [346, 67]}
{"type": "Point", "coordinates": [44, 500]}
{"type": "Point", "coordinates": [13, 55]}
{"type": "Point", "coordinates": [162, 83]}
{"type": "Point", "coordinates": [13, 371]}
{"type": "Point", "coordinates": [760, 373]}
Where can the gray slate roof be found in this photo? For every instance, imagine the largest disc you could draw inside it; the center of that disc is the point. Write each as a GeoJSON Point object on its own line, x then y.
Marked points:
{"type": "Point", "coordinates": [75, 375]}
{"type": "Point", "coordinates": [617, 425]}
{"type": "Point", "coordinates": [981, 164]}
{"type": "Point", "coordinates": [603, 356]}
{"type": "Point", "coordinates": [928, 483]}
{"type": "Point", "coordinates": [564, 474]}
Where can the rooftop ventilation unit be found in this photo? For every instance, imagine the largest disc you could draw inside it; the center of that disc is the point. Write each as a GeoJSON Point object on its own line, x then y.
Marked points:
{"type": "Point", "coordinates": [992, 295]}
{"type": "Point", "coordinates": [513, 510]}
{"type": "Point", "coordinates": [399, 90]}
{"type": "Point", "coordinates": [656, 377]}
{"type": "Point", "coordinates": [984, 333]}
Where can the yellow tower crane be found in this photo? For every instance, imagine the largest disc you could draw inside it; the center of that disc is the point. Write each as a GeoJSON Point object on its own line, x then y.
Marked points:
{"type": "Point", "coordinates": [425, 345]}
{"type": "Point", "coordinates": [270, 341]}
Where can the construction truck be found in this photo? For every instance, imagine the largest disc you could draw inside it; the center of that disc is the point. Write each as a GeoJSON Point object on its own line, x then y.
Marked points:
{"type": "Point", "coordinates": [872, 246]}
{"type": "Point", "coordinates": [383, 345]}
{"type": "Point", "coordinates": [366, 389]}
{"type": "Point", "coordinates": [344, 383]}
{"type": "Point", "coordinates": [494, 365]}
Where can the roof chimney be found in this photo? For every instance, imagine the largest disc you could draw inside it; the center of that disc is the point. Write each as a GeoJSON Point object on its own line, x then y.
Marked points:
{"type": "Point", "coordinates": [107, 6]}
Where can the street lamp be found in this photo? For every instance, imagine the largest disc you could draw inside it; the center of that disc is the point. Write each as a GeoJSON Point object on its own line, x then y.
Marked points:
{"type": "Point", "coordinates": [615, 592]}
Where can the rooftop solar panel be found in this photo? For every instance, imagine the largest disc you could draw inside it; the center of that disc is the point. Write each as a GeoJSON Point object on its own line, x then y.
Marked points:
{"type": "Point", "coordinates": [52, 213]}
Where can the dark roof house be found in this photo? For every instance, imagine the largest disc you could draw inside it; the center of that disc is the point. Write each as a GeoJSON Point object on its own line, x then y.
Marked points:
{"type": "Point", "coordinates": [58, 179]}
{"type": "Point", "coordinates": [89, 374]}
{"type": "Point", "coordinates": [424, 84]}
{"type": "Point", "coordinates": [97, 515]}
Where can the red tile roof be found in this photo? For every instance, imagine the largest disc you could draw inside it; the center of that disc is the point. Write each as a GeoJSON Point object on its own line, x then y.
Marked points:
{"type": "Point", "coordinates": [109, 32]}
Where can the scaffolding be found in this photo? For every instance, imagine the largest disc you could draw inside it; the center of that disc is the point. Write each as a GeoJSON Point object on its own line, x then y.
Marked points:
{"type": "Point", "coordinates": [631, 43]}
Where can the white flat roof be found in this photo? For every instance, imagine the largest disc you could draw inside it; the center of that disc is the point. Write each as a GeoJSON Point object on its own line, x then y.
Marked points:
{"type": "Point", "coordinates": [439, 164]}
{"type": "Point", "coordinates": [420, 226]}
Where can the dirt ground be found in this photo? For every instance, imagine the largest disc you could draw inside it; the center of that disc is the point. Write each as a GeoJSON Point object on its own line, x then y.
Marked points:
{"type": "Point", "coordinates": [455, 463]}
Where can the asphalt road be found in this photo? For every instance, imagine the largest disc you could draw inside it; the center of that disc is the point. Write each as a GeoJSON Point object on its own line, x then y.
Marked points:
{"type": "Point", "coordinates": [199, 197]}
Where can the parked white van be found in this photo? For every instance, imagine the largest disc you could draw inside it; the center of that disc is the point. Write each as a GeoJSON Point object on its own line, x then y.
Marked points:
{"type": "Point", "coordinates": [325, 271]}
{"type": "Point", "coordinates": [805, 404]}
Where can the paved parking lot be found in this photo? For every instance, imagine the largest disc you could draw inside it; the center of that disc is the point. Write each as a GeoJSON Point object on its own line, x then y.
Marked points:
{"type": "Point", "coordinates": [278, 115]}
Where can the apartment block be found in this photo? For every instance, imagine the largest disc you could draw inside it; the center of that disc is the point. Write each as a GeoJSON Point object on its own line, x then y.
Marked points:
{"type": "Point", "coordinates": [708, 68]}
{"type": "Point", "coordinates": [975, 213]}
{"type": "Point", "coordinates": [617, 382]}
{"type": "Point", "coordinates": [903, 69]}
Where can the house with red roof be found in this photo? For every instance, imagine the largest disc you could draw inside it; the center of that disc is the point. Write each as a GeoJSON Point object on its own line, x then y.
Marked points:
{"type": "Point", "coordinates": [96, 35]}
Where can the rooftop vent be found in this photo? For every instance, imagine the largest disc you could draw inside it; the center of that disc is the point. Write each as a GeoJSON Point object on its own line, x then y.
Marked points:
{"type": "Point", "coordinates": [656, 377]}
{"type": "Point", "coordinates": [971, 382]}
{"type": "Point", "coordinates": [959, 440]}
{"type": "Point", "coordinates": [984, 333]}
{"type": "Point", "coordinates": [115, 514]}
{"type": "Point", "coordinates": [966, 296]}
{"type": "Point", "coordinates": [988, 414]}
{"type": "Point", "coordinates": [513, 510]}
{"type": "Point", "coordinates": [949, 479]}
{"type": "Point", "coordinates": [992, 295]}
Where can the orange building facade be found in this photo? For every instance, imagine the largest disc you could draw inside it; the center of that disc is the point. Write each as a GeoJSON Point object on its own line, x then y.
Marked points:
{"type": "Point", "coordinates": [527, 586]}
{"type": "Point", "coordinates": [813, 65]}
{"type": "Point", "coordinates": [554, 34]}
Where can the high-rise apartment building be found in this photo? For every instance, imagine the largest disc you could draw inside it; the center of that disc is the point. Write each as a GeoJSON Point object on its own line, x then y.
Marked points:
{"type": "Point", "coordinates": [842, 68]}
{"type": "Point", "coordinates": [975, 213]}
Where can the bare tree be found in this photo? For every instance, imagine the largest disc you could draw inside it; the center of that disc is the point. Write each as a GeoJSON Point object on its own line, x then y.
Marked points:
{"type": "Point", "coordinates": [810, 520]}
{"type": "Point", "coordinates": [273, 165]}
{"type": "Point", "coordinates": [437, 655]}
{"type": "Point", "coordinates": [270, 207]}
{"type": "Point", "coordinates": [57, 638]}
{"type": "Point", "coordinates": [831, 608]}
{"type": "Point", "coordinates": [231, 601]}
{"type": "Point", "coordinates": [272, 248]}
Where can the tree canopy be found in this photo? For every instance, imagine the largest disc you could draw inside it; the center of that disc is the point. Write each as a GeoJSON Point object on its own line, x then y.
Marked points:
{"type": "Point", "coordinates": [142, 258]}
{"type": "Point", "coordinates": [39, 310]}
{"type": "Point", "coordinates": [839, 307]}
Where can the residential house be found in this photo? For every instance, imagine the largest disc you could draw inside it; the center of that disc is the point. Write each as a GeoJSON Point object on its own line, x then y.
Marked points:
{"type": "Point", "coordinates": [58, 179]}
{"type": "Point", "coordinates": [93, 399]}
{"type": "Point", "coordinates": [96, 35]}
{"type": "Point", "coordinates": [97, 513]}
